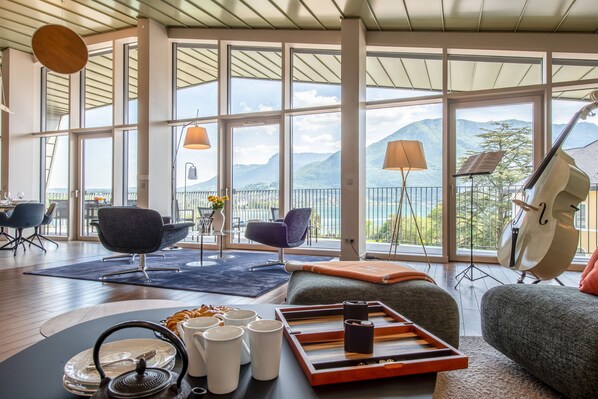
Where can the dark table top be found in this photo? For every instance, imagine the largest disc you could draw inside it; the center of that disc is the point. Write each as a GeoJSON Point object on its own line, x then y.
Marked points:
{"type": "Point", "coordinates": [37, 371]}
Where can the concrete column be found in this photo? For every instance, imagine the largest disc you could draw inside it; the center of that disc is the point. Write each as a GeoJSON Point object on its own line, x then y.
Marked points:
{"type": "Point", "coordinates": [154, 161]}
{"type": "Point", "coordinates": [20, 150]}
{"type": "Point", "coordinates": [353, 78]}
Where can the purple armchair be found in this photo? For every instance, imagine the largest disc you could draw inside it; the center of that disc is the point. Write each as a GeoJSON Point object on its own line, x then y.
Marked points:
{"type": "Point", "coordinates": [284, 233]}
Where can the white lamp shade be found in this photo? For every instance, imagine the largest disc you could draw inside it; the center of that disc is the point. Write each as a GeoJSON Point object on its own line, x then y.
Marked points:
{"type": "Point", "coordinates": [197, 138]}
{"type": "Point", "coordinates": [405, 154]}
{"type": "Point", "coordinates": [192, 175]}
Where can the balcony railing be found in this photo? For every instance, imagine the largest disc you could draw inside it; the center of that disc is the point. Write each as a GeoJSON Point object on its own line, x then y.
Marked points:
{"type": "Point", "coordinates": [492, 210]}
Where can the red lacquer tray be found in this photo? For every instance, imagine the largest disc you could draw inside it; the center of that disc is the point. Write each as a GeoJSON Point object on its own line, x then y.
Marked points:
{"type": "Point", "coordinates": [316, 335]}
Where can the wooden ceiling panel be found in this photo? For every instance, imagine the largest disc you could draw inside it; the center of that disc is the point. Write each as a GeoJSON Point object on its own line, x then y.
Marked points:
{"type": "Point", "coordinates": [87, 17]}
{"type": "Point", "coordinates": [299, 14]}
{"type": "Point", "coordinates": [391, 14]}
{"type": "Point", "coordinates": [500, 15]}
{"type": "Point", "coordinates": [39, 16]}
{"type": "Point", "coordinates": [544, 15]}
{"type": "Point", "coordinates": [581, 17]}
{"type": "Point", "coordinates": [48, 11]}
{"type": "Point", "coordinates": [425, 15]}
{"type": "Point", "coordinates": [269, 12]}
{"type": "Point", "coordinates": [235, 12]}
{"type": "Point", "coordinates": [462, 14]}
{"type": "Point", "coordinates": [361, 9]}
{"type": "Point", "coordinates": [326, 11]}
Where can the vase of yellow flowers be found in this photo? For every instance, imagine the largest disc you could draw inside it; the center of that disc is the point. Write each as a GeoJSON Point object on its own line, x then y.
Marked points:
{"type": "Point", "coordinates": [218, 218]}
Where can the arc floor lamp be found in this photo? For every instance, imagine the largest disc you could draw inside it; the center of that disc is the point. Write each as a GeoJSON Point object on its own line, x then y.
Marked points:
{"type": "Point", "coordinates": [196, 138]}
{"type": "Point", "coordinates": [406, 156]}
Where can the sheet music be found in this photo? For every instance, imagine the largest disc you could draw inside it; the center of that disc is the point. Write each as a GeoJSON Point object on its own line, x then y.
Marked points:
{"type": "Point", "coordinates": [480, 164]}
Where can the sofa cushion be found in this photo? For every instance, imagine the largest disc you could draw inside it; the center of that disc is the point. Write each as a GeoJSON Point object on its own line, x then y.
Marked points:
{"type": "Point", "coordinates": [547, 329]}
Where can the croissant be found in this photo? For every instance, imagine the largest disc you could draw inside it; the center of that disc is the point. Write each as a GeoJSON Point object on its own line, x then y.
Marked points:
{"type": "Point", "coordinates": [203, 311]}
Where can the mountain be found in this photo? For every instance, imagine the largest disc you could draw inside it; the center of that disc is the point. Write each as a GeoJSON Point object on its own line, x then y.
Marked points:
{"type": "Point", "coordinates": [262, 176]}
{"type": "Point", "coordinates": [314, 170]}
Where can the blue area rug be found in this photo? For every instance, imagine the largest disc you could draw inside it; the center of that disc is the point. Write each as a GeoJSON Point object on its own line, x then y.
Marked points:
{"type": "Point", "coordinates": [228, 276]}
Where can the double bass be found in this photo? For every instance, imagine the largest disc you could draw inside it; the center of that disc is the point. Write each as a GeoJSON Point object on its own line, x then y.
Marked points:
{"type": "Point", "coordinates": [542, 238]}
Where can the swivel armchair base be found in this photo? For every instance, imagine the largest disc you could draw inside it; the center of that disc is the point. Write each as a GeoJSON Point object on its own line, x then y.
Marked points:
{"type": "Point", "coordinates": [131, 257]}
{"type": "Point", "coordinates": [273, 262]}
{"type": "Point", "coordinates": [142, 269]}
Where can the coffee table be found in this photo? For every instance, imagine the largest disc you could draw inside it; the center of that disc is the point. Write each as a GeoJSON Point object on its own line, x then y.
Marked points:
{"type": "Point", "coordinates": [36, 372]}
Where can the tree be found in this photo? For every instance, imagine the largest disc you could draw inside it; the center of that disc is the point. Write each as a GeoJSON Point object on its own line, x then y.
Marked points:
{"type": "Point", "coordinates": [493, 193]}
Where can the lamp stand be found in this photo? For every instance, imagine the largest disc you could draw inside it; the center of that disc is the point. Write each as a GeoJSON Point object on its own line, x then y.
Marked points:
{"type": "Point", "coordinates": [394, 241]}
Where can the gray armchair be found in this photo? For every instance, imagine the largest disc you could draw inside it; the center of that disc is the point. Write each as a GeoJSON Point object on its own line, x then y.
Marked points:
{"type": "Point", "coordinates": [289, 232]}
{"type": "Point", "coordinates": [137, 231]}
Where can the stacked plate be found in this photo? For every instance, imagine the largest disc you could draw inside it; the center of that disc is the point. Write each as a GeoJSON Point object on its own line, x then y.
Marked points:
{"type": "Point", "coordinates": [81, 377]}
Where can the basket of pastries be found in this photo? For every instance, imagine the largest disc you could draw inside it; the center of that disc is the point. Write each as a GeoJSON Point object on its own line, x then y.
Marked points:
{"type": "Point", "coordinates": [202, 311]}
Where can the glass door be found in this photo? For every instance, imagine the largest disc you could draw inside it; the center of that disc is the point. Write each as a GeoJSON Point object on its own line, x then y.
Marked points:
{"type": "Point", "coordinates": [481, 205]}
{"type": "Point", "coordinates": [95, 180]}
{"type": "Point", "coordinates": [254, 175]}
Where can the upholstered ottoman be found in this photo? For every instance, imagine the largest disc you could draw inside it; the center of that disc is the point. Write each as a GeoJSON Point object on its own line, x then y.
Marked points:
{"type": "Point", "coordinates": [551, 331]}
{"type": "Point", "coordinates": [422, 302]}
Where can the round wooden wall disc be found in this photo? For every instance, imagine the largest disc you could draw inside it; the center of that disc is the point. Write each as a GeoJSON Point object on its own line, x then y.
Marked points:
{"type": "Point", "coordinates": [59, 49]}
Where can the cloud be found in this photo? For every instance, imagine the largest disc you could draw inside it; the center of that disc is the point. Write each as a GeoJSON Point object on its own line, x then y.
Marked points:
{"type": "Point", "coordinates": [311, 98]}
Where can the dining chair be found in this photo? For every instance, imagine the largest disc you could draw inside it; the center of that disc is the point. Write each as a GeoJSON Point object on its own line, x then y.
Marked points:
{"type": "Point", "coordinates": [48, 218]}
{"type": "Point", "coordinates": [23, 216]}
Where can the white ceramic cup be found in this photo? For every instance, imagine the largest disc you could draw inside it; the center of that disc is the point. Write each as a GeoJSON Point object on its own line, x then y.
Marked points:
{"type": "Point", "coordinates": [186, 328]}
{"type": "Point", "coordinates": [220, 347]}
{"type": "Point", "coordinates": [241, 318]}
{"type": "Point", "coordinates": [265, 342]}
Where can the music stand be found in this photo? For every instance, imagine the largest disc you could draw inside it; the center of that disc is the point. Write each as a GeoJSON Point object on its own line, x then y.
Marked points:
{"type": "Point", "coordinates": [475, 165]}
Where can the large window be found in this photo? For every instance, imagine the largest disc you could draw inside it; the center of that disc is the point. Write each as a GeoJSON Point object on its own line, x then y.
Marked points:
{"type": "Point", "coordinates": [130, 172]}
{"type": "Point", "coordinates": [402, 75]}
{"type": "Point", "coordinates": [383, 187]}
{"type": "Point", "coordinates": [97, 90]}
{"type": "Point", "coordinates": [316, 169]}
{"type": "Point", "coordinates": [316, 78]}
{"type": "Point", "coordinates": [55, 181]}
{"type": "Point", "coordinates": [56, 104]}
{"type": "Point", "coordinates": [131, 84]}
{"type": "Point", "coordinates": [196, 81]}
{"type": "Point", "coordinates": [582, 145]}
{"type": "Point", "coordinates": [481, 128]}
{"type": "Point", "coordinates": [255, 80]}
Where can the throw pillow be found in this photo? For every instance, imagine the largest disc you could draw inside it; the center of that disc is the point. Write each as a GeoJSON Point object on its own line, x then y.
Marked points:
{"type": "Point", "coordinates": [589, 277]}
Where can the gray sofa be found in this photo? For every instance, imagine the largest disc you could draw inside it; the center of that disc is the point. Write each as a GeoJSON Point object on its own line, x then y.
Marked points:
{"type": "Point", "coordinates": [551, 331]}
{"type": "Point", "coordinates": [422, 302]}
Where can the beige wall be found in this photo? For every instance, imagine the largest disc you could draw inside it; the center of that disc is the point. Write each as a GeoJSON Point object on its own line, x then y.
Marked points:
{"type": "Point", "coordinates": [20, 150]}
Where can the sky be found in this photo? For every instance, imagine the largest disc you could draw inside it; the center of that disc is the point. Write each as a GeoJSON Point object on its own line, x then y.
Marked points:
{"type": "Point", "coordinates": [256, 144]}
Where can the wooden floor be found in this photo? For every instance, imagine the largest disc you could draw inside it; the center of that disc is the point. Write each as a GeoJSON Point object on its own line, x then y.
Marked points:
{"type": "Point", "coordinates": [26, 302]}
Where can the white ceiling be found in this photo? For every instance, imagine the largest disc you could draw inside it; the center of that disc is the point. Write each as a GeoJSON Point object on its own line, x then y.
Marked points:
{"type": "Point", "coordinates": [20, 18]}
